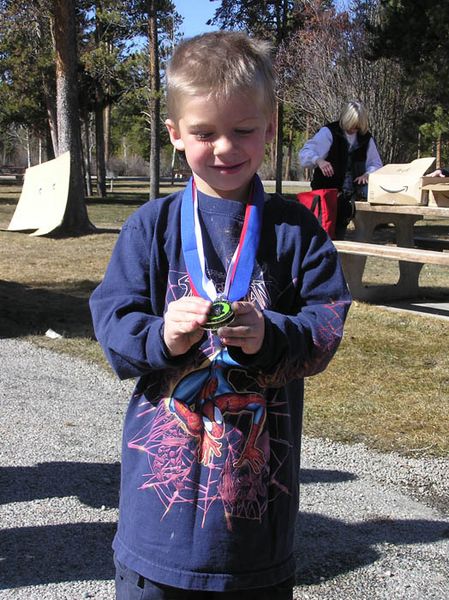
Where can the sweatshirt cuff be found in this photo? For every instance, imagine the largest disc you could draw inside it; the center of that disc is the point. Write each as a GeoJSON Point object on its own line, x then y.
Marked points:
{"type": "Point", "coordinates": [158, 354]}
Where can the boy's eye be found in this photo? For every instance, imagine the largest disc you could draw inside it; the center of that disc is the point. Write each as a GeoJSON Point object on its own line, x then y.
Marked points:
{"type": "Point", "coordinates": [200, 135]}
{"type": "Point", "coordinates": [244, 131]}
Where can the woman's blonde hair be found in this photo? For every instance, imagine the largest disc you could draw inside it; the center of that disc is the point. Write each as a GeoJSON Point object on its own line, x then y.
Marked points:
{"type": "Point", "coordinates": [353, 116]}
{"type": "Point", "coordinates": [219, 64]}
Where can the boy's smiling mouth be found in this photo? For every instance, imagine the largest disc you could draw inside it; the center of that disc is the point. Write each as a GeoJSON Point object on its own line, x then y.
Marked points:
{"type": "Point", "coordinates": [228, 168]}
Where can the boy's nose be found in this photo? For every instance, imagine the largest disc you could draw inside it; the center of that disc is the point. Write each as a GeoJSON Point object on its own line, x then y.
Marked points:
{"type": "Point", "coordinates": [222, 145]}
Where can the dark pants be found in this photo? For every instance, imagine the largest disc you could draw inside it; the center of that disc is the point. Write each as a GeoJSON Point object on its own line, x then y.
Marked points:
{"type": "Point", "coordinates": [345, 212]}
{"type": "Point", "coordinates": [132, 586]}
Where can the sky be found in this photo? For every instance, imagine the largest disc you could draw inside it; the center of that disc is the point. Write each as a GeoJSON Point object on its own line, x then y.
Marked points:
{"type": "Point", "coordinates": [196, 13]}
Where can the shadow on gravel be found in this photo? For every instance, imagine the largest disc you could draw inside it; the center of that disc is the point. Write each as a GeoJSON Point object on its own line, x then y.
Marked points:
{"type": "Point", "coordinates": [325, 476]}
{"type": "Point", "coordinates": [95, 484]}
{"type": "Point", "coordinates": [56, 553]}
{"type": "Point", "coordinates": [40, 555]}
{"type": "Point", "coordinates": [76, 552]}
{"type": "Point", "coordinates": [328, 547]}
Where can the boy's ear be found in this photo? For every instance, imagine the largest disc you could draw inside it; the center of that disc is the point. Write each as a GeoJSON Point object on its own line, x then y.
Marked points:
{"type": "Point", "coordinates": [175, 136]}
{"type": "Point", "coordinates": [271, 129]}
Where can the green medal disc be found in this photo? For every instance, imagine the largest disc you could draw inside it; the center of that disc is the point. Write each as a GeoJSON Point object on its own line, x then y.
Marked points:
{"type": "Point", "coordinates": [220, 314]}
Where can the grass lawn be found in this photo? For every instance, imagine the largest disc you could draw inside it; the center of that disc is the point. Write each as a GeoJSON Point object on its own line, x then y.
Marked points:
{"type": "Point", "coordinates": [387, 387]}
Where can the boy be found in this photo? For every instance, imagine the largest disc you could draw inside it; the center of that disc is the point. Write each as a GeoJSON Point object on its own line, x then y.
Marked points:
{"type": "Point", "coordinates": [220, 299]}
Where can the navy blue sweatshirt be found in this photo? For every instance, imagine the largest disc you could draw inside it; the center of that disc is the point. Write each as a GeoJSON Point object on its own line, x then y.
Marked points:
{"type": "Point", "coordinates": [211, 441]}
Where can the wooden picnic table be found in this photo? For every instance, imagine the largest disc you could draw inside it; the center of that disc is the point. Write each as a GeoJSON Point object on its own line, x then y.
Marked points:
{"type": "Point", "coordinates": [369, 216]}
{"type": "Point", "coordinates": [9, 170]}
{"type": "Point", "coordinates": [409, 257]}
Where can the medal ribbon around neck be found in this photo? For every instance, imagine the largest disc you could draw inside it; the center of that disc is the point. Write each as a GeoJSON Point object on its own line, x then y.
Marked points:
{"type": "Point", "coordinates": [239, 272]}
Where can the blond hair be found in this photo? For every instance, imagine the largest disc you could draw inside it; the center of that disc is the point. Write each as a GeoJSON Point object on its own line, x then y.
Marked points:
{"type": "Point", "coordinates": [219, 64]}
{"type": "Point", "coordinates": [354, 116]}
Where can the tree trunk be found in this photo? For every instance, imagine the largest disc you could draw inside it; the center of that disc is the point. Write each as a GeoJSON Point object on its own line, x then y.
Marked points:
{"type": "Point", "coordinates": [99, 123]}
{"type": "Point", "coordinates": [125, 153]}
{"type": "Point", "coordinates": [28, 148]}
{"type": "Point", "coordinates": [99, 142]}
{"type": "Point", "coordinates": [281, 32]}
{"type": "Point", "coordinates": [87, 158]}
{"type": "Point", "coordinates": [52, 117]}
{"type": "Point", "coordinates": [307, 172]}
{"type": "Point", "coordinates": [154, 100]}
{"type": "Point", "coordinates": [69, 138]}
{"type": "Point", "coordinates": [438, 152]}
{"type": "Point", "coordinates": [288, 162]}
{"type": "Point", "coordinates": [49, 145]}
{"type": "Point", "coordinates": [50, 103]}
{"type": "Point", "coordinates": [107, 134]}
{"type": "Point", "coordinates": [279, 144]}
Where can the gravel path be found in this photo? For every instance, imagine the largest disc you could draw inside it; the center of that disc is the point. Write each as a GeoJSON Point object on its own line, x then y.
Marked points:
{"type": "Point", "coordinates": [373, 526]}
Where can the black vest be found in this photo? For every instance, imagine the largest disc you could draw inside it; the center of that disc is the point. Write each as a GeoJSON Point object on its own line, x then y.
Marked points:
{"type": "Point", "coordinates": [338, 157]}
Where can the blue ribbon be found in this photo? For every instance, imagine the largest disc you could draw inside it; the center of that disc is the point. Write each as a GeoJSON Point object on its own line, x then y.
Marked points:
{"type": "Point", "coordinates": [242, 270]}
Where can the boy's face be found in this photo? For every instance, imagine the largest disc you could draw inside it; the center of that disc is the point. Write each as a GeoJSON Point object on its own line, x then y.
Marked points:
{"type": "Point", "coordinates": [224, 142]}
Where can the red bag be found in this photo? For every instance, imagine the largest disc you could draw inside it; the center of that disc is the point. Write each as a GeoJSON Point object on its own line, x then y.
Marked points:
{"type": "Point", "coordinates": [323, 204]}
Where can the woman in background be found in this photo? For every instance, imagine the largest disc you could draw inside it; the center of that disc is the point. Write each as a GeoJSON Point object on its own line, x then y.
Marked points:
{"type": "Point", "coordinates": [343, 154]}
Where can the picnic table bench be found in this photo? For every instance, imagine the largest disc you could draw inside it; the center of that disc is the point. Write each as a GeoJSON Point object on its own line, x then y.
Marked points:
{"type": "Point", "coordinates": [9, 170]}
{"type": "Point", "coordinates": [410, 258]}
{"type": "Point", "coordinates": [180, 175]}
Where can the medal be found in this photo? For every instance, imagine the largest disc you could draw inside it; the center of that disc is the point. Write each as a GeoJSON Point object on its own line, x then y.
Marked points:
{"type": "Point", "coordinates": [220, 314]}
{"type": "Point", "coordinates": [240, 269]}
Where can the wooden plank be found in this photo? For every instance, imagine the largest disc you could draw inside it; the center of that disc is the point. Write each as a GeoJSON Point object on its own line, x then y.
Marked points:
{"type": "Point", "coordinates": [414, 255]}
{"type": "Point", "coordinates": [438, 187]}
{"type": "Point", "coordinates": [425, 211]}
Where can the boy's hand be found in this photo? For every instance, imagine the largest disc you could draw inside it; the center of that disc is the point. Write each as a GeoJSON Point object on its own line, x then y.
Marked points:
{"type": "Point", "coordinates": [247, 330]}
{"type": "Point", "coordinates": [182, 323]}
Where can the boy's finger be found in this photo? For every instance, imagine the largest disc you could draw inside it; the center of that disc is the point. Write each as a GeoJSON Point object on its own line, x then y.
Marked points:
{"type": "Point", "coordinates": [192, 306]}
{"type": "Point", "coordinates": [194, 303]}
{"type": "Point", "coordinates": [242, 308]}
{"type": "Point", "coordinates": [241, 332]}
{"type": "Point", "coordinates": [190, 321]}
